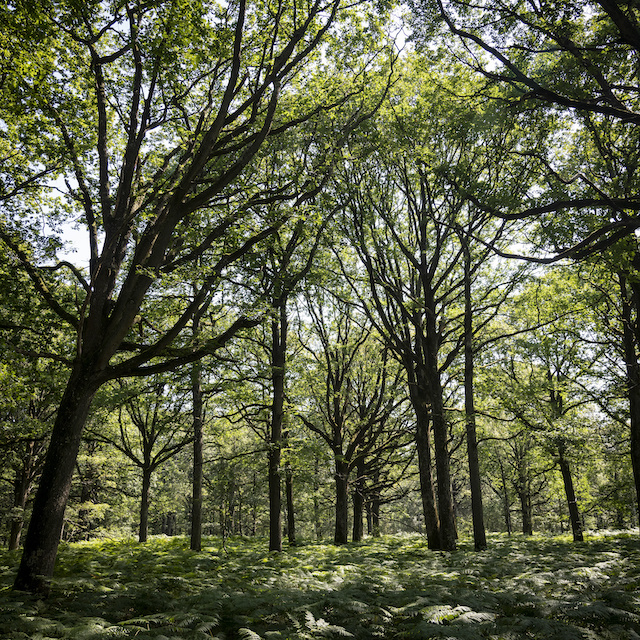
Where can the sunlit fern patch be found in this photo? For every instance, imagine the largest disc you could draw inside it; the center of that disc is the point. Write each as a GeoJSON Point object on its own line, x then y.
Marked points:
{"type": "Point", "coordinates": [390, 588]}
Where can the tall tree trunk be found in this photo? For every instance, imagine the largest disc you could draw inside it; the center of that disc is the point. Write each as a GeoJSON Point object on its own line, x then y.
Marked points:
{"type": "Point", "coordinates": [574, 513]}
{"type": "Point", "coordinates": [477, 513]}
{"type": "Point", "coordinates": [506, 505]}
{"type": "Point", "coordinates": [20, 494]}
{"type": "Point", "coordinates": [342, 500]}
{"type": "Point", "coordinates": [358, 503]}
{"type": "Point", "coordinates": [278, 356]}
{"type": "Point", "coordinates": [506, 502]}
{"type": "Point", "coordinates": [316, 499]}
{"type": "Point", "coordinates": [524, 494]}
{"type": "Point", "coordinates": [45, 527]}
{"type": "Point", "coordinates": [375, 505]}
{"type": "Point", "coordinates": [144, 504]}
{"type": "Point", "coordinates": [427, 491]}
{"type": "Point", "coordinates": [196, 502]}
{"type": "Point", "coordinates": [630, 339]}
{"type": "Point", "coordinates": [291, 516]}
{"type": "Point", "coordinates": [446, 508]}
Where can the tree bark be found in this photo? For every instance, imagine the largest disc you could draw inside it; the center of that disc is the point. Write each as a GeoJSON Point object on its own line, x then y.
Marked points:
{"type": "Point", "coordinates": [43, 535]}
{"type": "Point", "coordinates": [291, 516]}
{"type": "Point", "coordinates": [427, 491]}
{"type": "Point", "coordinates": [631, 340]}
{"type": "Point", "coordinates": [525, 507]}
{"type": "Point", "coordinates": [506, 506]}
{"type": "Point", "coordinates": [144, 504]}
{"type": "Point", "coordinates": [574, 513]}
{"type": "Point", "coordinates": [278, 360]}
{"type": "Point", "coordinates": [477, 512]}
{"type": "Point", "coordinates": [358, 505]}
{"type": "Point", "coordinates": [20, 494]}
{"type": "Point", "coordinates": [341, 535]}
{"type": "Point", "coordinates": [196, 502]}
{"type": "Point", "coordinates": [446, 509]}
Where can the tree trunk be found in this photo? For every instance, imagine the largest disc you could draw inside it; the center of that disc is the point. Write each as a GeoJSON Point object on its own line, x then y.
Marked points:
{"type": "Point", "coordinates": [630, 349]}
{"type": "Point", "coordinates": [196, 503]}
{"type": "Point", "coordinates": [278, 356]}
{"type": "Point", "coordinates": [144, 504]}
{"type": "Point", "coordinates": [375, 506]}
{"type": "Point", "coordinates": [446, 509]}
{"type": "Point", "coordinates": [342, 501]}
{"type": "Point", "coordinates": [574, 513]}
{"type": "Point", "coordinates": [525, 508]}
{"type": "Point", "coordinates": [358, 505]}
{"type": "Point", "coordinates": [291, 516]}
{"type": "Point", "coordinates": [506, 506]}
{"type": "Point", "coordinates": [20, 494]}
{"type": "Point", "coordinates": [375, 516]}
{"type": "Point", "coordinates": [45, 527]}
{"type": "Point", "coordinates": [316, 499]}
{"type": "Point", "coordinates": [427, 492]}
{"type": "Point", "coordinates": [477, 514]}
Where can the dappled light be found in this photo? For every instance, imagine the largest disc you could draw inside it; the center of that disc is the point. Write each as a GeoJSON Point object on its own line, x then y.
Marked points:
{"type": "Point", "coordinates": [393, 587]}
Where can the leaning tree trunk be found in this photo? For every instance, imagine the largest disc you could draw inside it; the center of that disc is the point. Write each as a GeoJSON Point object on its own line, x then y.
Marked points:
{"type": "Point", "coordinates": [341, 535]}
{"type": "Point", "coordinates": [574, 513]}
{"type": "Point", "coordinates": [196, 502]}
{"type": "Point", "coordinates": [43, 535]}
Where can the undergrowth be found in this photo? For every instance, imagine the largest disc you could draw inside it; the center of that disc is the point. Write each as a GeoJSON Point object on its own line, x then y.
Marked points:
{"type": "Point", "coordinates": [393, 588]}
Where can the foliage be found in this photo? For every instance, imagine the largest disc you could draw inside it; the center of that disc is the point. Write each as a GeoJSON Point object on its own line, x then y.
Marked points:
{"type": "Point", "coordinates": [392, 587]}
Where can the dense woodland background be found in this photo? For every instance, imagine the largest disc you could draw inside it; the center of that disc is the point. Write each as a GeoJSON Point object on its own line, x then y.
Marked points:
{"type": "Point", "coordinates": [348, 270]}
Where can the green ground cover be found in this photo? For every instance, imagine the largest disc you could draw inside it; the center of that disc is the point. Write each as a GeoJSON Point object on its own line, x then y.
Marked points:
{"type": "Point", "coordinates": [547, 588]}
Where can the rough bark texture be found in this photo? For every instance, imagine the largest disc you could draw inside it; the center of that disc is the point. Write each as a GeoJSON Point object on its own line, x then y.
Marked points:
{"type": "Point", "coordinates": [525, 507]}
{"type": "Point", "coordinates": [45, 527]}
{"type": "Point", "coordinates": [427, 492]}
{"type": "Point", "coordinates": [506, 502]}
{"type": "Point", "coordinates": [196, 501]}
{"type": "Point", "coordinates": [358, 506]}
{"type": "Point", "coordinates": [432, 383]}
{"type": "Point", "coordinates": [278, 355]}
{"type": "Point", "coordinates": [25, 475]}
{"type": "Point", "coordinates": [574, 513]}
{"type": "Point", "coordinates": [144, 505]}
{"type": "Point", "coordinates": [20, 494]}
{"type": "Point", "coordinates": [477, 512]}
{"type": "Point", "coordinates": [631, 341]}
{"type": "Point", "coordinates": [291, 514]}
{"type": "Point", "coordinates": [341, 535]}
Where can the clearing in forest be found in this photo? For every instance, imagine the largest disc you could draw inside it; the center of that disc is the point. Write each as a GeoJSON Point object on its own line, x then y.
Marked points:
{"type": "Point", "coordinates": [392, 587]}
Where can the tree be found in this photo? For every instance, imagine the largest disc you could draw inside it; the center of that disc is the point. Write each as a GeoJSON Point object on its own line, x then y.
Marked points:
{"type": "Point", "coordinates": [572, 58]}
{"type": "Point", "coordinates": [155, 113]}
{"type": "Point", "coordinates": [150, 430]}
{"type": "Point", "coordinates": [545, 374]}
{"type": "Point", "coordinates": [354, 399]}
{"type": "Point", "coordinates": [569, 55]}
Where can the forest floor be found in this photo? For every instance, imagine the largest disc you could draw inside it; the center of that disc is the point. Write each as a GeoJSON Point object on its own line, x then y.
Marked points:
{"type": "Point", "coordinates": [392, 587]}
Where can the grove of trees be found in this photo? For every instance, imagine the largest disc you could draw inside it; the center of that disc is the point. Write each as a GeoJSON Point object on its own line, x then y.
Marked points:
{"type": "Point", "coordinates": [317, 269]}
